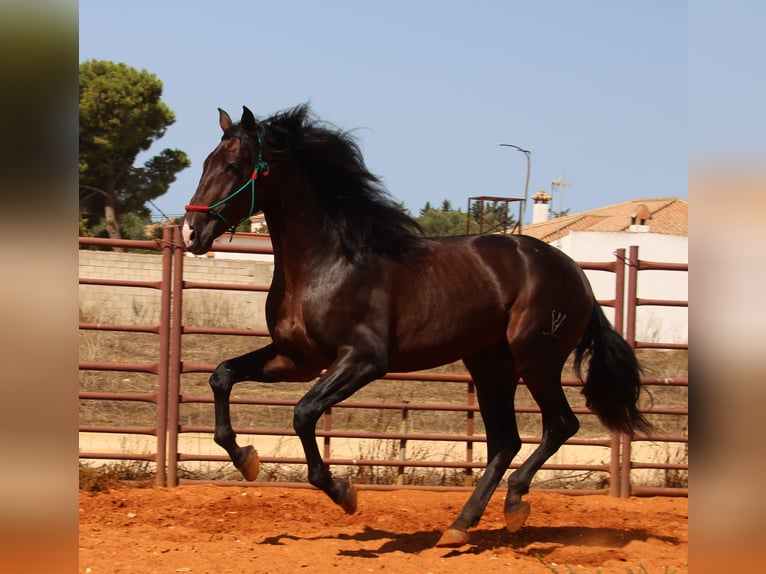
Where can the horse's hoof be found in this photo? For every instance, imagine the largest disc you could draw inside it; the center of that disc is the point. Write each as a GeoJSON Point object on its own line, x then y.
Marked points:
{"type": "Point", "coordinates": [516, 515]}
{"type": "Point", "coordinates": [453, 538]}
{"type": "Point", "coordinates": [348, 502]}
{"type": "Point", "coordinates": [252, 464]}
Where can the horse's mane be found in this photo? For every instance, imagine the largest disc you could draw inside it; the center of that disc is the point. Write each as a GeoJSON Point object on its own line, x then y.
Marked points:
{"type": "Point", "coordinates": [354, 202]}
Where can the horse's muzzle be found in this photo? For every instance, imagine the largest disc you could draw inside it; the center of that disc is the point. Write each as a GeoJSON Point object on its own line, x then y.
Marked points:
{"type": "Point", "coordinates": [198, 232]}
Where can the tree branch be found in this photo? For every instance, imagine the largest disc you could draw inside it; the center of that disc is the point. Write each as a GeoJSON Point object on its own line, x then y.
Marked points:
{"type": "Point", "coordinates": [94, 189]}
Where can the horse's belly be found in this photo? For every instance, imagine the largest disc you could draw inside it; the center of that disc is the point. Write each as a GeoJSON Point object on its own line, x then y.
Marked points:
{"type": "Point", "coordinates": [429, 347]}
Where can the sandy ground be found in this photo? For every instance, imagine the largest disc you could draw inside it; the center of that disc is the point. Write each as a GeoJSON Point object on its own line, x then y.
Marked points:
{"type": "Point", "coordinates": [226, 529]}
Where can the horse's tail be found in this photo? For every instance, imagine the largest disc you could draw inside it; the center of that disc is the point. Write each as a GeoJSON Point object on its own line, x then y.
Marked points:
{"type": "Point", "coordinates": [613, 382]}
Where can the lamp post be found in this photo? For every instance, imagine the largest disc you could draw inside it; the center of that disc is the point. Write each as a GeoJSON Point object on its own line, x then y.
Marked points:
{"type": "Point", "coordinates": [528, 154]}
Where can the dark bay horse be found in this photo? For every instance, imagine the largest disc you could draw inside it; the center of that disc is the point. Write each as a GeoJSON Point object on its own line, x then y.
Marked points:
{"type": "Point", "coordinates": [358, 292]}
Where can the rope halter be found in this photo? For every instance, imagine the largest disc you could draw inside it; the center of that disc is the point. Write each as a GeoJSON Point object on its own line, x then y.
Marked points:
{"type": "Point", "coordinates": [261, 168]}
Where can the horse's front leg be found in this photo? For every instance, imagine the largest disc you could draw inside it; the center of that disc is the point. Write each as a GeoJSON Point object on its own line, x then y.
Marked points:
{"type": "Point", "coordinates": [350, 372]}
{"type": "Point", "coordinates": [264, 365]}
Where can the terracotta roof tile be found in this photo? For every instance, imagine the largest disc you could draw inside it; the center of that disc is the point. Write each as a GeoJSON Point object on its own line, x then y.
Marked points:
{"type": "Point", "coordinates": [669, 216]}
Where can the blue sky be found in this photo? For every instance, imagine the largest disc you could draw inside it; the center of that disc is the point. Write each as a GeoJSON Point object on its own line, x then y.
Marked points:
{"type": "Point", "coordinates": [597, 90]}
{"type": "Point", "coordinates": [727, 87]}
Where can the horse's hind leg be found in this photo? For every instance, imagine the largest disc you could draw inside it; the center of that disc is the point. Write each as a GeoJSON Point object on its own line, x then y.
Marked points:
{"type": "Point", "coordinates": [495, 376]}
{"type": "Point", "coordinates": [559, 423]}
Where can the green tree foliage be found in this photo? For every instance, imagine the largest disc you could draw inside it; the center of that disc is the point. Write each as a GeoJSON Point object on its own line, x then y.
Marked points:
{"type": "Point", "coordinates": [496, 217]}
{"type": "Point", "coordinates": [444, 221]}
{"type": "Point", "coordinates": [438, 223]}
{"type": "Point", "coordinates": [562, 213]}
{"type": "Point", "coordinates": [121, 115]}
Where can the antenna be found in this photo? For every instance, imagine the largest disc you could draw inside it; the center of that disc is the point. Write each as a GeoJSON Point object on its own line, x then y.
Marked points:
{"type": "Point", "coordinates": [558, 185]}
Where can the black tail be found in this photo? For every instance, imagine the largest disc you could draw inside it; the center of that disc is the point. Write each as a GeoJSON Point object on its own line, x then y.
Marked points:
{"type": "Point", "coordinates": [613, 383]}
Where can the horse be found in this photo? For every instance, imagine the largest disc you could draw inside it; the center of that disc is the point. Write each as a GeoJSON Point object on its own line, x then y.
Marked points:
{"type": "Point", "coordinates": [358, 291]}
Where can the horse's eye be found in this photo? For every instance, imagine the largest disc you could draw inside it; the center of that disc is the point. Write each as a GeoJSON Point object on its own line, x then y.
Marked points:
{"type": "Point", "coordinates": [232, 168]}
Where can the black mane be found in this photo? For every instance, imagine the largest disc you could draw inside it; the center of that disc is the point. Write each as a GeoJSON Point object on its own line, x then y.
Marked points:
{"type": "Point", "coordinates": [354, 202]}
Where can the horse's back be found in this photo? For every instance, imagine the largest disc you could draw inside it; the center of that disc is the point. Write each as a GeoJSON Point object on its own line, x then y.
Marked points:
{"type": "Point", "coordinates": [465, 292]}
{"type": "Point", "coordinates": [523, 264]}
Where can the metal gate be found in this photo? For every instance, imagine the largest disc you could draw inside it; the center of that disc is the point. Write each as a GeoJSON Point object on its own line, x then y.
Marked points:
{"type": "Point", "coordinates": [169, 368]}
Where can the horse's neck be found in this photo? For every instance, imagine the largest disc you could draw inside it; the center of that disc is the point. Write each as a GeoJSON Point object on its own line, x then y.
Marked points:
{"type": "Point", "coordinates": [300, 247]}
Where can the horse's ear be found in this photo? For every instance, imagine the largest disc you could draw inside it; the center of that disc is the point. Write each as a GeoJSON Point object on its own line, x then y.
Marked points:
{"type": "Point", "coordinates": [248, 120]}
{"type": "Point", "coordinates": [224, 120]}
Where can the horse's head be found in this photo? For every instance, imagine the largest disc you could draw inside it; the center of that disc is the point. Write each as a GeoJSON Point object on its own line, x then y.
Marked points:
{"type": "Point", "coordinates": [226, 194]}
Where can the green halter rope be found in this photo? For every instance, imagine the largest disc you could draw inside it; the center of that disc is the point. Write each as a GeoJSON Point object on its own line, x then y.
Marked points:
{"type": "Point", "coordinates": [260, 168]}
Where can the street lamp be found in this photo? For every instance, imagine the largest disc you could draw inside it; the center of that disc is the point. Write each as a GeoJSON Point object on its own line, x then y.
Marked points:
{"type": "Point", "coordinates": [528, 154]}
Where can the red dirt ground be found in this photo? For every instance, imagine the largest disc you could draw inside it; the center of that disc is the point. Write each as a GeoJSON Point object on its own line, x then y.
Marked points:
{"type": "Point", "coordinates": [273, 530]}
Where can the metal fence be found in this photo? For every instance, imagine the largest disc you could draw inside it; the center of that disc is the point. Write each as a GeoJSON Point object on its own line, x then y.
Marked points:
{"type": "Point", "coordinates": [170, 368]}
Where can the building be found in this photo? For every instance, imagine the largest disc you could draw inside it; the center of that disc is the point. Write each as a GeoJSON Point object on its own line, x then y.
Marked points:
{"type": "Point", "coordinates": [660, 229]}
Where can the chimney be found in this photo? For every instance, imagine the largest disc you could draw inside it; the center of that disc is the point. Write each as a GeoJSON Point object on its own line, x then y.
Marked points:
{"type": "Point", "coordinates": [540, 208]}
{"type": "Point", "coordinates": [639, 219]}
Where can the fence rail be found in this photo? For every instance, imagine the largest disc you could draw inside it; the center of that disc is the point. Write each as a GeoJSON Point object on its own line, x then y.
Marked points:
{"type": "Point", "coordinates": [170, 368]}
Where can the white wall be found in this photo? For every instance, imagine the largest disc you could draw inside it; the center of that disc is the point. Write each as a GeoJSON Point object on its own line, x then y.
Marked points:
{"type": "Point", "coordinates": [244, 239]}
{"type": "Point", "coordinates": [141, 306]}
{"type": "Point", "coordinates": [654, 324]}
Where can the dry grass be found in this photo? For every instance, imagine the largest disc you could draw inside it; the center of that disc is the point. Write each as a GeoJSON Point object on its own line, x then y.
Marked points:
{"type": "Point", "coordinates": [137, 347]}
{"type": "Point", "coordinates": [106, 477]}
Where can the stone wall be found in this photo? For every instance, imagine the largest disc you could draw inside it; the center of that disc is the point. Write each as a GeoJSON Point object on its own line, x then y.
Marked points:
{"type": "Point", "coordinates": [141, 305]}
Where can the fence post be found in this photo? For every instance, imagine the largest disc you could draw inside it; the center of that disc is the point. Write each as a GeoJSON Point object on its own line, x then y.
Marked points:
{"type": "Point", "coordinates": [402, 444]}
{"type": "Point", "coordinates": [619, 292]}
{"type": "Point", "coordinates": [469, 430]}
{"type": "Point", "coordinates": [164, 359]}
{"type": "Point", "coordinates": [630, 337]}
{"type": "Point", "coordinates": [630, 327]}
{"type": "Point", "coordinates": [327, 423]}
{"type": "Point", "coordinates": [176, 330]}
{"type": "Point", "coordinates": [619, 326]}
